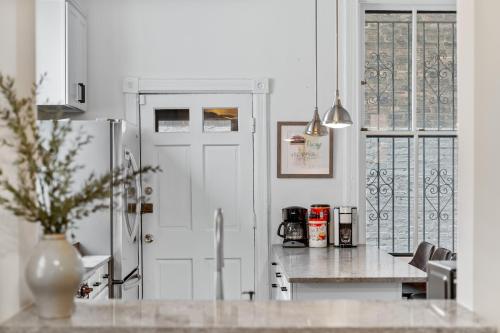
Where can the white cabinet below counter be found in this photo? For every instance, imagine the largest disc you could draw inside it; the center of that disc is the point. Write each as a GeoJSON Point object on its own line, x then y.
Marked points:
{"type": "Point", "coordinates": [280, 287]}
{"type": "Point", "coordinates": [363, 272]}
{"type": "Point", "coordinates": [61, 55]}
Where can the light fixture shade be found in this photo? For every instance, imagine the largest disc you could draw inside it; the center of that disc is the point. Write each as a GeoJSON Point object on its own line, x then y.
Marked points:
{"type": "Point", "coordinates": [315, 127]}
{"type": "Point", "coordinates": [337, 116]}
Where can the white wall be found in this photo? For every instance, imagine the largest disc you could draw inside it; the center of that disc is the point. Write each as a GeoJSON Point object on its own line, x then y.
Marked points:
{"type": "Point", "coordinates": [224, 39]}
{"type": "Point", "coordinates": [479, 159]}
{"type": "Point", "coordinates": [16, 238]}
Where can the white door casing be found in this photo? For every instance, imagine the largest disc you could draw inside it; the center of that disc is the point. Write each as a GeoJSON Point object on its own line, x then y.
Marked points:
{"type": "Point", "coordinates": [201, 171]}
{"type": "Point", "coordinates": [259, 90]}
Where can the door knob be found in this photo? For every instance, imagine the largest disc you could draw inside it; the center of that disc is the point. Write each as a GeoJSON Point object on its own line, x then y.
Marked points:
{"type": "Point", "coordinates": [148, 238]}
{"type": "Point", "coordinates": [148, 190]}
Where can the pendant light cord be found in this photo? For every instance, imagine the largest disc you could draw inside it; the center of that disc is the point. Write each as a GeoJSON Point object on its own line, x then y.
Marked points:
{"type": "Point", "coordinates": [316, 51]}
{"type": "Point", "coordinates": [337, 43]}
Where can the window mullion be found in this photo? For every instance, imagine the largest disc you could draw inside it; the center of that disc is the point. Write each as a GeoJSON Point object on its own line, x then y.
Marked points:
{"type": "Point", "coordinates": [414, 71]}
{"type": "Point", "coordinates": [414, 126]}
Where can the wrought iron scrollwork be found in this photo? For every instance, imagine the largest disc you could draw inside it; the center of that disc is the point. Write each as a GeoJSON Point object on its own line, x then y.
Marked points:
{"type": "Point", "coordinates": [439, 186]}
{"type": "Point", "coordinates": [379, 68]}
{"type": "Point", "coordinates": [438, 74]}
{"type": "Point", "coordinates": [379, 183]}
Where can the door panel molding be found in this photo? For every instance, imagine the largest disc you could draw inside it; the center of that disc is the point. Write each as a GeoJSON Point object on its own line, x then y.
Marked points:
{"type": "Point", "coordinates": [136, 91]}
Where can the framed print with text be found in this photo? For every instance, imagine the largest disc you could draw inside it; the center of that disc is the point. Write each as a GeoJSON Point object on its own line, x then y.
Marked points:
{"type": "Point", "coordinates": [301, 155]}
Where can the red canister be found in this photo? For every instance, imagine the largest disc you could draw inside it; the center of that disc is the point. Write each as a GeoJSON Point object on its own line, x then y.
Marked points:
{"type": "Point", "coordinates": [319, 213]}
{"type": "Point", "coordinates": [319, 217]}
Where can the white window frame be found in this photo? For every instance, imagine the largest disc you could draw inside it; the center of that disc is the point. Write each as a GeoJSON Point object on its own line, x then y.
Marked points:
{"type": "Point", "coordinates": [393, 5]}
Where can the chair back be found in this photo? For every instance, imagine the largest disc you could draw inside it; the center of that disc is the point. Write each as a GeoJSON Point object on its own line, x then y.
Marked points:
{"type": "Point", "coordinates": [422, 256]}
{"type": "Point", "coordinates": [441, 254]}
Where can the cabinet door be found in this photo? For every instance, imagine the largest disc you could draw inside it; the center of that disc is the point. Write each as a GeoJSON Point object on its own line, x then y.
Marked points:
{"type": "Point", "coordinates": [76, 61]}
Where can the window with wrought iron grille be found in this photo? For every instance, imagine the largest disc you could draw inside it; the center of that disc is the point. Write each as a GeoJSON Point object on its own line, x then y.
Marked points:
{"type": "Point", "coordinates": [409, 138]}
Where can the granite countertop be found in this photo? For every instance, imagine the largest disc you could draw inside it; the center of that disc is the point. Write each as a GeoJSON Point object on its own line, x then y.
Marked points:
{"type": "Point", "coordinates": [263, 317]}
{"type": "Point", "coordinates": [332, 264]}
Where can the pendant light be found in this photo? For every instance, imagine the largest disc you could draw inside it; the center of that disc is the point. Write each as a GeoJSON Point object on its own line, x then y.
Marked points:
{"type": "Point", "coordinates": [315, 127]}
{"type": "Point", "coordinates": [337, 116]}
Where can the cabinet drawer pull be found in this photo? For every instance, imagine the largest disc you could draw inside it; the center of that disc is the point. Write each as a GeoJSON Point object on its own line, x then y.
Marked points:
{"type": "Point", "coordinates": [81, 92]}
{"type": "Point", "coordinates": [274, 263]}
{"type": "Point", "coordinates": [278, 274]}
{"type": "Point", "coordinates": [284, 289]}
{"type": "Point", "coordinates": [274, 285]}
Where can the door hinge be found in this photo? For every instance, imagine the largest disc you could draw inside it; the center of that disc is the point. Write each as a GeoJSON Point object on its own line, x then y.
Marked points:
{"type": "Point", "coordinates": [254, 216]}
{"type": "Point", "coordinates": [142, 99]}
{"type": "Point", "coordinates": [146, 208]}
{"type": "Point", "coordinates": [253, 125]}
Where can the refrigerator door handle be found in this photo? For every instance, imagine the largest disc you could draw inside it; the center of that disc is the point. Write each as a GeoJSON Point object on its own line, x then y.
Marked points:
{"type": "Point", "coordinates": [133, 229]}
{"type": "Point", "coordinates": [133, 281]}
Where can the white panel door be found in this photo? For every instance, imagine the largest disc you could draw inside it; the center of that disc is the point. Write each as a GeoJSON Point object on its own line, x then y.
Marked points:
{"type": "Point", "coordinates": [204, 145]}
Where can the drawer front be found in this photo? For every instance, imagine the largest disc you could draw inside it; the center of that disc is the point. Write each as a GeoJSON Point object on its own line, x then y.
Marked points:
{"type": "Point", "coordinates": [97, 282]}
{"type": "Point", "coordinates": [280, 287]}
{"type": "Point", "coordinates": [273, 280]}
{"type": "Point", "coordinates": [274, 291]}
{"type": "Point", "coordinates": [284, 294]}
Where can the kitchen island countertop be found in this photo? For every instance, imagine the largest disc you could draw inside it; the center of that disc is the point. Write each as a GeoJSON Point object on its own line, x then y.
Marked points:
{"type": "Point", "coordinates": [263, 317]}
{"type": "Point", "coordinates": [332, 265]}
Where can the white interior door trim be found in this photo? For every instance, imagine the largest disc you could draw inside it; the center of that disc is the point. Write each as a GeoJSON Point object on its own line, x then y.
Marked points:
{"type": "Point", "coordinates": [195, 86]}
{"type": "Point", "coordinates": [133, 87]}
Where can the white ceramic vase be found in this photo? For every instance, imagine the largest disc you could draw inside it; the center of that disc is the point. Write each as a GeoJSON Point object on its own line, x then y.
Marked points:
{"type": "Point", "coordinates": [54, 273]}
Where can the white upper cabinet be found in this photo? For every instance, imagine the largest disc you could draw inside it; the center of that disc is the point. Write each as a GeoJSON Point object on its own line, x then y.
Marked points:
{"type": "Point", "coordinates": [61, 55]}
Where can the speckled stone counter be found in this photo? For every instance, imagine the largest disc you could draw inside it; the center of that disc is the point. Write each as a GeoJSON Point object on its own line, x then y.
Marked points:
{"type": "Point", "coordinates": [331, 264]}
{"type": "Point", "coordinates": [264, 317]}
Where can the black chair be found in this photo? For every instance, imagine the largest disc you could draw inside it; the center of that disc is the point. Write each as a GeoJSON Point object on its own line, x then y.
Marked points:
{"type": "Point", "coordinates": [441, 254]}
{"type": "Point", "coordinates": [422, 256]}
{"type": "Point", "coordinates": [419, 260]}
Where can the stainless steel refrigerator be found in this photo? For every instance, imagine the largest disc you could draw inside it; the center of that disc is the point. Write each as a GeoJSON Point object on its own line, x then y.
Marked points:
{"type": "Point", "coordinates": [114, 231]}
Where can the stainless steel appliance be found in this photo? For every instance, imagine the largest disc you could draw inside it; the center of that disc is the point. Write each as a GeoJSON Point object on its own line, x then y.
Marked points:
{"type": "Point", "coordinates": [441, 279]}
{"type": "Point", "coordinates": [345, 226]}
{"type": "Point", "coordinates": [293, 229]}
{"type": "Point", "coordinates": [115, 231]}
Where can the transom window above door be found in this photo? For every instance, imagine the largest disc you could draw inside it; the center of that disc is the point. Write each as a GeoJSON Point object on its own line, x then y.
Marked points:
{"type": "Point", "coordinates": [216, 120]}
{"type": "Point", "coordinates": [409, 136]}
{"type": "Point", "coordinates": [171, 120]}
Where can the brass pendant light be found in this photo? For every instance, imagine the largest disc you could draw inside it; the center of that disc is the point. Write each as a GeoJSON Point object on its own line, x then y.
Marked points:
{"type": "Point", "coordinates": [315, 127]}
{"type": "Point", "coordinates": [337, 116]}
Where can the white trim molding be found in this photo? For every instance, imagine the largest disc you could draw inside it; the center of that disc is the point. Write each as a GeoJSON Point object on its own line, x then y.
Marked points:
{"type": "Point", "coordinates": [134, 87]}
{"type": "Point", "coordinates": [200, 86]}
{"type": "Point", "coordinates": [398, 4]}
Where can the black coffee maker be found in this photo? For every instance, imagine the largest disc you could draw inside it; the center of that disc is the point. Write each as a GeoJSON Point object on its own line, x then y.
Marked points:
{"type": "Point", "coordinates": [293, 229]}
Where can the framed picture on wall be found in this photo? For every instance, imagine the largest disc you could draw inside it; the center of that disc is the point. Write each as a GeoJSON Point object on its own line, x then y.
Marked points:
{"type": "Point", "coordinates": [301, 155]}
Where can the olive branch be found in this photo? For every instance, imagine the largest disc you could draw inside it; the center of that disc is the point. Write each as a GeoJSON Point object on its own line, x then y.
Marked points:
{"type": "Point", "coordinates": [46, 167]}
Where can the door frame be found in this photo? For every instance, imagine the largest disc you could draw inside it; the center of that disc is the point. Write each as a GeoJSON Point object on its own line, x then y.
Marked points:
{"type": "Point", "coordinates": [135, 87]}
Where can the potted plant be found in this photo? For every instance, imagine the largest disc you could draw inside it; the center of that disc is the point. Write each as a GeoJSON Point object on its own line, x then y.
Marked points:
{"type": "Point", "coordinates": [42, 193]}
